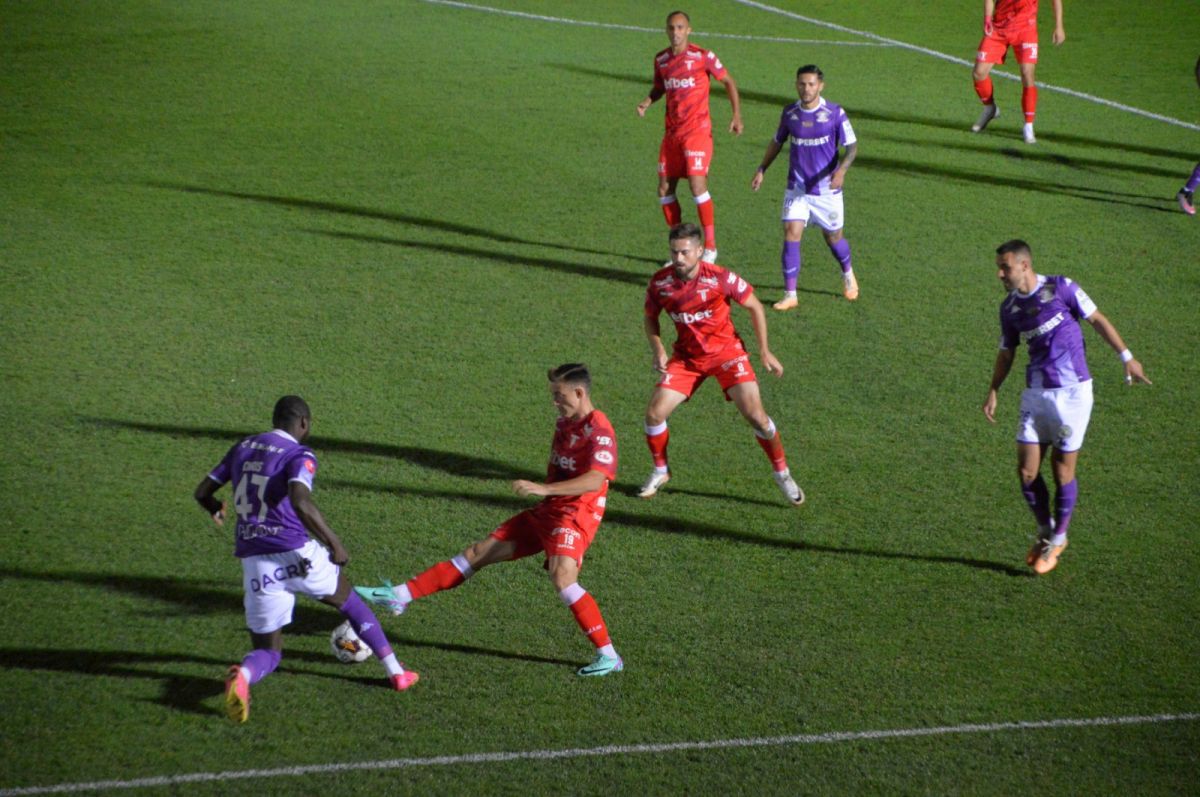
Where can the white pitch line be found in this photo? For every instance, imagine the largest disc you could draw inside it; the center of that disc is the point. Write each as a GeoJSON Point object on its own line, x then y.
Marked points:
{"type": "Point", "coordinates": [613, 26]}
{"type": "Point", "coordinates": [610, 750]}
{"type": "Point", "coordinates": [956, 60]}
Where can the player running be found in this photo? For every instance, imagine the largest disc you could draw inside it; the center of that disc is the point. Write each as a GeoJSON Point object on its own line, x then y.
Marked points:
{"type": "Point", "coordinates": [681, 72]}
{"type": "Point", "coordinates": [1043, 312]}
{"type": "Point", "coordinates": [816, 130]}
{"type": "Point", "coordinates": [1011, 23]}
{"type": "Point", "coordinates": [696, 295]}
{"type": "Point", "coordinates": [286, 547]}
{"type": "Point", "coordinates": [583, 459]}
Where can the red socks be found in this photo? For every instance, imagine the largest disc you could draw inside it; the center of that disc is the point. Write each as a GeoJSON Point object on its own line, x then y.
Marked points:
{"type": "Point", "coordinates": [1029, 102]}
{"type": "Point", "coordinates": [671, 210]}
{"type": "Point", "coordinates": [443, 575]}
{"type": "Point", "coordinates": [984, 89]}
{"type": "Point", "coordinates": [587, 614]}
{"type": "Point", "coordinates": [774, 450]}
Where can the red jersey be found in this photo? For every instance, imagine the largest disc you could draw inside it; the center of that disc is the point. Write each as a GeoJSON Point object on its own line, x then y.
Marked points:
{"type": "Point", "coordinates": [1015, 13]}
{"type": "Point", "coordinates": [699, 308]}
{"type": "Point", "coordinates": [683, 79]}
{"type": "Point", "coordinates": [578, 447]}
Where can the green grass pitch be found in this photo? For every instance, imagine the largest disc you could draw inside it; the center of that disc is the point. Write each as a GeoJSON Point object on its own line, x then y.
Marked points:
{"type": "Point", "coordinates": [406, 212]}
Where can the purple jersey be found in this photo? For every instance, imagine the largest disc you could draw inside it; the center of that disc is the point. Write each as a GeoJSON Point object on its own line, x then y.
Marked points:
{"type": "Point", "coordinates": [815, 136]}
{"type": "Point", "coordinates": [1046, 320]}
{"type": "Point", "coordinates": [261, 468]}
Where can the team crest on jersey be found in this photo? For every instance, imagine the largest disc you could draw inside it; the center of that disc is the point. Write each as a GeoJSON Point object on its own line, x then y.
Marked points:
{"type": "Point", "coordinates": [1046, 294]}
{"type": "Point", "coordinates": [822, 117]}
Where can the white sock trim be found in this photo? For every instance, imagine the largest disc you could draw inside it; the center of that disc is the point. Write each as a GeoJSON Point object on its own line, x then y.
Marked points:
{"type": "Point", "coordinates": [608, 650]}
{"type": "Point", "coordinates": [666, 200]}
{"type": "Point", "coordinates": [571, 593]}
{"type": "Point", "coordinates": [705, 197]}
{"type": "Point", "coordinates": [769, 433]}
{"type": "Point", "coordinates": [392, 665]}
{"type": "Point", "coordinates": [656, 430]}
{"type": "Point", "coordinates": [463, 566]}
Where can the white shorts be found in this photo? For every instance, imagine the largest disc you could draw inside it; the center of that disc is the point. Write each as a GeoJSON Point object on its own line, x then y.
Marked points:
{"type": "Point", "coordinates": [271, 581]}
{"type": "Point", "coordinates": [825, 209]}
{"type": "Point", "coordinates": [1057, 415]}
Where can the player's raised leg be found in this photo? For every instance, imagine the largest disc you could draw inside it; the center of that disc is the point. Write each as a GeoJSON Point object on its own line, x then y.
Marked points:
{"type": "Point", "coordinates": [564, 573]}
{"type": "Point", "coordinates": [747, 398]}
{"type": "Point", "coordinates": [366, 625]}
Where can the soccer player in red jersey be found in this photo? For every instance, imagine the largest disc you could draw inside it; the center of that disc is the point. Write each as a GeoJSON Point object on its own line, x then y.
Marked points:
{"type": "Point", "coordinates": [681, 73]}
{"type": "Point", "coordinates": [583, 458]}
{"type": "Point", "coordinates": [696, 295]}
{"type": "Point", "coordinates": [1011, 23]}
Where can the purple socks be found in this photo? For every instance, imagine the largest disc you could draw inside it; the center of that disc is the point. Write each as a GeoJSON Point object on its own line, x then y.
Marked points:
{"type": "Point", "coordinates": [1064, 504]}
{"type": "Point", "coordinates": [1194, 182]}
{"type": "Point", "coordinates": [1038, 498]}
{"type": "Point", "coordinates": [261, 663]}
{"type": "Point", "coordinates": [790, 260]}
{"type": "Point", "coordinates": [841, 251]}
{"type": "Point", "coordinates": [366, 625]}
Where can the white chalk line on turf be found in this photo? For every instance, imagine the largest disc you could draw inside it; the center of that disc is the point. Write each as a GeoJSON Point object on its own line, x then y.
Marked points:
{"type": "Point", "coordinates": [638, 29]}
{"type": "Point", "coordinates": [956, 60]}
{"type": "Point", "coordinates": [609, 750]}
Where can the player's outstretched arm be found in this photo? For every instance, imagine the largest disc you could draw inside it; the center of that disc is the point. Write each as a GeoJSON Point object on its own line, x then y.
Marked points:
{"type": "Point", "coordinates": [205, 496]}
{"type": "Point", "coordinates": [1004, 361]}
{"type": "Point", "coordinates": [735, 100]}
{"type": "Point", "coordinates": [758, 320]}
{"type": "Point", "coordinates": [772, 151]}
{"type": "Point", "coordinates": [314, 521]}
{"type": "Point", "coordinates": [1106, 330]}
{"type": "Point", "coordinates": [588, 482]}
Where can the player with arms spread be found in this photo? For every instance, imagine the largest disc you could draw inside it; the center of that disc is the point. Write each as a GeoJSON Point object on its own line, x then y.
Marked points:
{"type": "Point", "coordinates": [816, 130]}
{"type": "Point", "coordinates": [1011, 23]}
{"type": "Point", "coordinates": [583, 459]}
{"type": "Point", "coordinates": [1044, 312]}
{"type": "Point", "coordinates": [696, 295]}
{"type": "Point", "coordinates": [681, 73]}
{"type": "Point", "coordinates": [286, 547]}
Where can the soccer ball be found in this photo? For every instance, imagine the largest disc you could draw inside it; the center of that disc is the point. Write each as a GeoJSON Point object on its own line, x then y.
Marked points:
{"type": "Point", "coordinates": [346, 645]}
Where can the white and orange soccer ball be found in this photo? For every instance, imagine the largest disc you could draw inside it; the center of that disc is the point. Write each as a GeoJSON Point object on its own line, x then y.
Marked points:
{"type": "Point", "coordinates": [347, 646]}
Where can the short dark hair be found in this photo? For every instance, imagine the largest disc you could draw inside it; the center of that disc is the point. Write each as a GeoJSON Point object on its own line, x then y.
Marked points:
{"type": "Point", "coordinates": [571, 374]}
{"type": "Point", "coordinates": [288, 410]}
{"type": "Point", "coordinates": [811, 69]}
{"type": "Point", "coordinates": [1016, 247]}
{"type": "Point", "coordinates": [685, 230]}
{"type": "Point", "coordinates": [679, 14]}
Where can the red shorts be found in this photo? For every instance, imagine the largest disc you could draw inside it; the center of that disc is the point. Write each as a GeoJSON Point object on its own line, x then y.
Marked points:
{"type": "Point", "coordinates": [1023, 38]}
{"type": "Point", "coordinates": [730, 367]}
{"type": "Point", "coordinates": [687, 156]}
{"type": "Point", "coordinates": [557, 536]}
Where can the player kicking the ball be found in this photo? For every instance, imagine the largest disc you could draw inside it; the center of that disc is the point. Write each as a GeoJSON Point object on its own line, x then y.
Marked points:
{"type": "Point", "coordinates": [1043, 311]}
{"type": "Point", "coordinates": [275, 517]}
{"type": "Point", "coordinates": [583, 458]}
{"type": "Point", "coordinates": [696, 295]}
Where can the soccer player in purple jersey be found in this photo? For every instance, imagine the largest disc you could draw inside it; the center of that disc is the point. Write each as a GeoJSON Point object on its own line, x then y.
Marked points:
{"type": "Point", "coordinates": [817, 130]}
{"type": "Point", "coordinates": [1044, 312]}
{"type": "Point", "coordinates": [286, 547]}
{"type": "Point", "coordinates": [1186, 195]}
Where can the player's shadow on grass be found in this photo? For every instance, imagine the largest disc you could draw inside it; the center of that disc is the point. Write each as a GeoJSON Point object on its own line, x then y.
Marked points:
{"type": "Point", "coordinates": [693, 528]}
{"type": "Point", "coordinates": [970, 107]}
{"type": "Point", "coordinates": [192, 597]}
{"type": "Point", "coordinates": [359, 211]}
{"type": "Point", "coordinates": [930, 171]}
{"type": "Point", "coordinates": [562, 266]}
{"type": "Point", "coordinates": [188, 693]}
{"type": "Point", "coordinates": [446, 461]}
